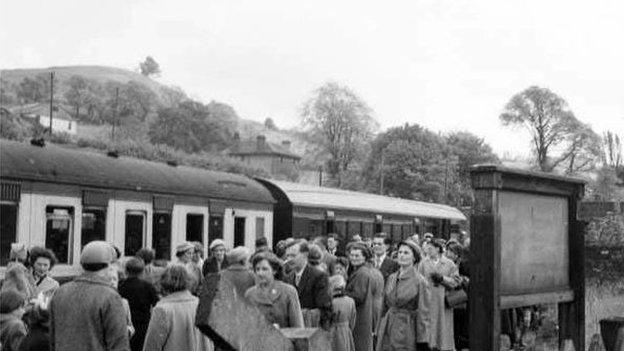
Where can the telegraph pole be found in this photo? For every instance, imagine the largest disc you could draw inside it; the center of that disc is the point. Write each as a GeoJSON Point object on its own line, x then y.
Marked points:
{"type": "Point", "coordinates": [115, 112]}
{"type": "Point", "coordinates": [381, 171]}
{"type": "Point", "coordinates": [51, 99]}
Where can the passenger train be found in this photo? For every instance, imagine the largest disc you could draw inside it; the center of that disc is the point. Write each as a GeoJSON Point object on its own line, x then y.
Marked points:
{"type": "Point", "coordinates": [63, 198]}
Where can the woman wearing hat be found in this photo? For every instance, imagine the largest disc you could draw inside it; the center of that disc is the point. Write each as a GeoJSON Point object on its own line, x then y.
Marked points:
{"type": "Point", "coordinates": [360, 288]}
{"type": "Point", "coordinates": [442, 275]}
{"type": "Point", "coordinates": [216, 262]}
{"type": "Point", "coordinates": [277, 300]}
{"type": "Point", "coordinates": [406, 323]}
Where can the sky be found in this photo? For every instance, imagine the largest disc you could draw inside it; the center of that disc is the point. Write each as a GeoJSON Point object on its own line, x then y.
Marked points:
{"type": "Point", "coordinates": [449, 65]}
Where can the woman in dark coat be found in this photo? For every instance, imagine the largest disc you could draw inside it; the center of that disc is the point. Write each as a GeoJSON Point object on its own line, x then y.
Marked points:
{"type": "Point", "coordinates": [405, 325]}
{"type": "Point", "coordinates": [142, 297]}
{"type": "Point", "coordinates": [216, 262]}
{"type": "Point", "coordinates": [360, 289]}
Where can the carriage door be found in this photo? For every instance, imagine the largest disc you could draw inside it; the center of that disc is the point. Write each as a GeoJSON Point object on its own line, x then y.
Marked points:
{"type": "Point", "coordinates": [239, 231]}
{"type": "Point", "coordinates": [135, 232]}
{"type": "Point", "coordinates": [59, 232]}
{"type": "Point", "coordinates": [9, 202]}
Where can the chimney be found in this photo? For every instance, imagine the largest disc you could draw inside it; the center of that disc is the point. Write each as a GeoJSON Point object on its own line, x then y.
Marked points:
{"type": "Point", "coordinates": [260, 142]}
{"type": "Point", "coordinates": [286, 144]}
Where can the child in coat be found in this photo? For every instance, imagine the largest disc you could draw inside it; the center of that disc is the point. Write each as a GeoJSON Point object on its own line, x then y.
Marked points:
{"type": "Point", "coordinates": [343, 321]}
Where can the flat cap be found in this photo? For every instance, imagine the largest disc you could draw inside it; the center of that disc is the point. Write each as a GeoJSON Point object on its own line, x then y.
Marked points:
{"type": "Point", "coordinates": [97, 252]}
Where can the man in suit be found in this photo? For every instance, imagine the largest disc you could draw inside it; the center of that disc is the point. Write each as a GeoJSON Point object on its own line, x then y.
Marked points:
{"type": "Point", "coordinates": [381, 260]}
{"type": "Point", "coordinates": [312, 285]}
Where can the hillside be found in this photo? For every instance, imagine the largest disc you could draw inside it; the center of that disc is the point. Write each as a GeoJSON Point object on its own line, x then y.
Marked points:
{"type": "Point", "coordinates": [100, 74]}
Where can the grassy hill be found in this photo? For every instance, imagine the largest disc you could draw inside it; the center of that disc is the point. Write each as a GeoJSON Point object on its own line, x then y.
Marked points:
{"type": "Point", "coordinates": [100, 74]}
{"type": "Point", "coordinates": [247, 129]}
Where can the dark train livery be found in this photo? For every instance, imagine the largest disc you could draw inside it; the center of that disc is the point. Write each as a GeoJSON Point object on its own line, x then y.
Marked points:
{"type": "Point", "coordinates": [63, 198]}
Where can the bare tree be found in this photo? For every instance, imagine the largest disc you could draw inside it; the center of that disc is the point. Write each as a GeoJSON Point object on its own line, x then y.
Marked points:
{"type": "Point", "coordinates": [548, 119]}
{"type": "Point", "coordinates": [344, 122]}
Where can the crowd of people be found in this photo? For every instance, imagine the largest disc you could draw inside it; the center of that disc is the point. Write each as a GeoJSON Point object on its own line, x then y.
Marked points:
{"type": "Point", "coordinates": [371, 294]}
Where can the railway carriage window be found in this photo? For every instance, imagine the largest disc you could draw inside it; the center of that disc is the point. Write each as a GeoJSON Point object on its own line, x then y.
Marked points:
{"type": "Point", "coordinates": [330, 226]}
{"type": "Point", "coordinates": [8, 230]}
{"type": "Point", "coordinates": [195, 227]}
{"type": "Point", "coordinates": [378, 228]}
{"type": "Point", "coordinates": [239, 231]}
{"type": "Point", "coordinates": [59, 232]}
{"type": "Point", "coordinates": [215, 227]}
{"type": "Point", "coordinates": [135, 232]}
{"type": "Point", "coordinates": [93, 225]}
{"type": "Point", "coordinates": [259, 227]}
{"type": "Point", "coordinates": [161, 235]}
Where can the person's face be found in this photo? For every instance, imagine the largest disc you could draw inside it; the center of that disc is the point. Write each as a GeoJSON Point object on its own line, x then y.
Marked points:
{"type": "Point", "coordinates": [451, 255]}
{"type": "Point", "coordinates": [331, 243]}
{"type": "Point", "coordinates": [219, 252]}
{"type": "Point", "coordinates": [113, 276]}
{"type": "Point", "coordinates": [431, 250]}
{"type": "Point", "coordinates": [295, 257]}
{"type": "Point", "coordinates": [356, 257]}
{"type": "Point", "coordinates": [197, 255]}
{"type": "Point", "coordinates": [405, 256]}
{"type": "Point", "coordinates": [340, 269]}
{"type": "Point", "coordinates": [188, 255]}
{"type": "Point", "coordinates": [379, 248]}
{"type": "Point", "coordinates": [264, 272]}
{"type": "Point", "coordinates": [42, 266]}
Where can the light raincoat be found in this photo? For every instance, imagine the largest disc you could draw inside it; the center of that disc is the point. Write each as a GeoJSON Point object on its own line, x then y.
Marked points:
{"type": "Point", "coordinates": [406, 321]}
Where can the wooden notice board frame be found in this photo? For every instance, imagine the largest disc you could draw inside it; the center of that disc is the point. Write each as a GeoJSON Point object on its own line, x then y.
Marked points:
{"type": "Point", "coordinates": [492, 184]}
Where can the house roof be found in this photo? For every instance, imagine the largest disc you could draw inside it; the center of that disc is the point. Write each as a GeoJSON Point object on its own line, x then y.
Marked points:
{"type": "Point", "coordinates": [330, 198]}
{"type": "Point", "coordinates": [253, 147]}
{"type": "Point", "coordinates": [43, 109]}
{"type": "Point", "coordinates": [55, 164]}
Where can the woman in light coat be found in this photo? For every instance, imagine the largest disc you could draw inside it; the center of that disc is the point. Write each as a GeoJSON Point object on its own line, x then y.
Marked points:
{"type": "Point", "coordinates": [278, 301]}
{"type": "Point", "coordinates": [442, 275]}
{"type": "Point", "coordinates": [172, 324]}
{"type": "Point", "coordinates": [405, 325]}
{"type": "Point", "coordinates": [360, 289]}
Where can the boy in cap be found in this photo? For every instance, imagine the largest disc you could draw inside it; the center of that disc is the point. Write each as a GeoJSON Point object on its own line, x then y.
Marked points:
{"type": "Point", "coordinates": [184, 253]}
{"type": "Point", "coordinates": [87, 313]}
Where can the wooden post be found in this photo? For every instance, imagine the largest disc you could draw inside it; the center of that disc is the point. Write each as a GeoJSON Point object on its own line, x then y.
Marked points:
{"type": "Point", "coordinates": [51, 99]}
{"type": "Point", "coordinates": [527, 248]}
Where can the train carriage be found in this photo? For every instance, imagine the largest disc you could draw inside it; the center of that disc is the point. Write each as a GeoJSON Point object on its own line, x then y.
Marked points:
{"type": "Point", "coordinates": [63, 198]}
{"type": "Point", "coordinates": [306, 211]}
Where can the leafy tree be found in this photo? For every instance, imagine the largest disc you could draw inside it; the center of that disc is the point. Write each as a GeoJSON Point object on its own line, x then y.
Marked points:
{"type": "Point", "coordinates": [7, 93]}
{"type": "Point", "coordinates": [613, 149]}
{"type": "Point", "coordinates": [546, 116]}
{"type": "Point", "coordinates": [173, 95]}
{"type": "Point", "coordinates": [223, 114]}
{"type": "Point", "coordinates": [35, 89]}
{"type": "Point", "coordinates": [270, 124]}
{"type": "Point", "coordinates": [343, 120]}
{"type": "Point", "coordinates": [414, 164]}
{"type": "Point", "coordinates": [77, 94]}
{"type": "Point", "coordinates": [583, 151]}
{"type": "Point", "coordinates": [190, 126]}
{"type": "Point", "coordinates": [149, 67]}
{"type": "Point", "coordinates": [469, 150]}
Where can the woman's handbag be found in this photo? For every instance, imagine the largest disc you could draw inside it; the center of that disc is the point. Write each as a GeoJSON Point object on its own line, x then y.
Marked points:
{"type": "Point", "coordinates": [455, 298]}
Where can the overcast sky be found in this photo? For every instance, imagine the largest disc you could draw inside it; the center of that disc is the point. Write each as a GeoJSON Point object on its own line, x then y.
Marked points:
{"type": "Point", "coordinates": [445, 64]}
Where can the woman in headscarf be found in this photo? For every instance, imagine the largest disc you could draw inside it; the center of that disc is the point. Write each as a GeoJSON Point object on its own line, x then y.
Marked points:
{"type": "Point", "coordinates": [442, 275]}
{"type": "Point", "coordinates": [405, 325]}
{"type": "Point", "coordinates": [216, 262]}
{"type": "Point", "coordinates": [360, 289]}
{"type": "Point", "coordinates": [277, 300]}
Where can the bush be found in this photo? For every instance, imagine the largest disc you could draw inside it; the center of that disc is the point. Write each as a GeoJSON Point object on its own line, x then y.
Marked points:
{"type": "Point", "coordinates": [606, 231]}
